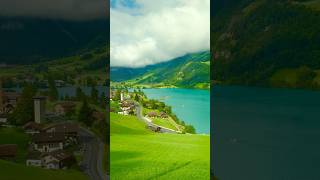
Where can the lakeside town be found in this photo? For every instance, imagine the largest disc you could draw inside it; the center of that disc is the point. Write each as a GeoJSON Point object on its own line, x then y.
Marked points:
{"type": "Point", "coordinates": [52, 132]}
{"type": "Point", "coordinates": [157, 116]}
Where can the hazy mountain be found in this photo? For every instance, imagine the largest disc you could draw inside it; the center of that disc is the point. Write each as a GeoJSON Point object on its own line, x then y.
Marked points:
{"type": "Point", "coordinates": [191, 70]}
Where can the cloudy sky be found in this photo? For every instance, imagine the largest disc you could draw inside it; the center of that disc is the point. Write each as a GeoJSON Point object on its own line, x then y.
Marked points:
{"type": "Point", "coordinates": [57, 9]}
{"type": "Point", "coordinates": [145, 32]}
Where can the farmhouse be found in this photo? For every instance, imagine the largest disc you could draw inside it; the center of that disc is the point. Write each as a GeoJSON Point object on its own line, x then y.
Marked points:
{"type": "Point", "coordinates": [57, 160]}
{"type": "Point", "coordinates": [152, 114]}
{"type": "Point", "coordinates": [48, 142]}
{"type": "Point", "coordinates": [54, 160]}
{"type": "Point", "coordinates": [8, 151]}
{"type": "Point", "coordinates": [34, 159]}
{"type": "Point", "coordinates": [8, 101]}
{"type": "Point", "coordinates": [3, 119]}
{"type": "Point", "coordinates": [69, 130]}
{"type": "Point", "coordinates": [163, 115]}
{"type": "Point", "coordinates": [126, 107]}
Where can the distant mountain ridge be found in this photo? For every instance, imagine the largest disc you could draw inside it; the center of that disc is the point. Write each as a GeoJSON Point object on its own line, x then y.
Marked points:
{"type": "Point", "coordinates": [31, 40]}
{"type": "Point", "coordinates": [190, 71]}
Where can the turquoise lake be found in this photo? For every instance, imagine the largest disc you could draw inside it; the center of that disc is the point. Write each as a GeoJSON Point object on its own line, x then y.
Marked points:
{"type": "Point", "coordinates": [190, 105]}
{"type": "Point", "coordinates": [261, 133]}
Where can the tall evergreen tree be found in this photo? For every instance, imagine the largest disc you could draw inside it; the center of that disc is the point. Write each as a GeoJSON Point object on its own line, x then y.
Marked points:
{"type": "Point", "coordinates": [24, 112]}
{"type": "Point", "coordinates": [103, 100]}
{"type": "Point", "coordinates": [94, 95]}
{"type": "Point", "coordinates": [85, 113]}
{"type": "Point", "coordinates": [53, 91]}
{"type": "Point", "coordinates": [80, 96]}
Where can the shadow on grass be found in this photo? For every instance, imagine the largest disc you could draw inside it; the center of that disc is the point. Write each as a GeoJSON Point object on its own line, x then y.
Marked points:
{"type": "Point", "coordinates": [156, 176]}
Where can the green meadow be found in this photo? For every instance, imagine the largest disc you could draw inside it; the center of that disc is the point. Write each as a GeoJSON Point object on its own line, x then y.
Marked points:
{"type": "Point", "coordinates": [138, 153]}
{"type": "Point", "coordinates": [14, 171]}
{"type": "Point", "coordinates": [18, 137]}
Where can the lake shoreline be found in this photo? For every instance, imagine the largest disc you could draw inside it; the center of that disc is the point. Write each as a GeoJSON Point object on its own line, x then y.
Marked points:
{"type": "Point", "coordinates": [189, 105]}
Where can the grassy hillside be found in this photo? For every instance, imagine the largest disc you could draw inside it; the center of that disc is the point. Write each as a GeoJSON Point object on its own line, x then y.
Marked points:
{"type": "Point", "coordinates": [77, 69]}
{"type": "Point", "coordinates": [12, 171]}
{"type": "Point", "coordinates": [18, 137]}
{"type": "Point", "coordinates": [137, 153]}
{"type": "Point", "coordinates": [256, 40]}
{"type": "Point", "coordinates": [189, 71]}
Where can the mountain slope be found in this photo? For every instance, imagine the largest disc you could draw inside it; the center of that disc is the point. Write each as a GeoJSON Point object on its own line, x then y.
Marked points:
{"type": "Point", "coordinates": [260, 42]}
{"type": "Point", "coordinates": [191, 71]}
{"type": "Point", "coordinates": [30, 40]}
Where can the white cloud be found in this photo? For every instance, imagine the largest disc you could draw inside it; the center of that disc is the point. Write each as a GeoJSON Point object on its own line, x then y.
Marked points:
{"type": "Point", "coordinates": [158, 31]}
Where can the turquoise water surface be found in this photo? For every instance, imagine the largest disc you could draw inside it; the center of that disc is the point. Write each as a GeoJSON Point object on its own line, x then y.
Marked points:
{"type": "Point", "coordinates": [190, 105]}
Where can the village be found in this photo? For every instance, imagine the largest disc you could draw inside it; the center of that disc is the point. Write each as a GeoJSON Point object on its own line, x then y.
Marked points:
{"type": "Point", "coordinates": [55, 139]}
{"type": "Point", "coordinates": [157, 116]}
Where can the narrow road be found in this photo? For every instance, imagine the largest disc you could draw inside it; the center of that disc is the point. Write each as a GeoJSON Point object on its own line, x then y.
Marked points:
{"type": "Point", "coordinates": [93, 155]}
{"type": "Point", "coordinates": [149, 122]}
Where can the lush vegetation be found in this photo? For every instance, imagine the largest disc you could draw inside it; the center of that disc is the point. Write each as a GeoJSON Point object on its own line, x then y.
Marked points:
{"type": "Point", "coordinates": [189, 71]}
{"type": "Point", "coordinates": [13, 171]}
{"type": "Point", "coordinates": [266, 43]}
{"type": "Point", "coordinates": [159, 106]}
{"type": "Point", "coordinates": [84, 68]}
{"type": "Point", "coordinates": [138, 153]}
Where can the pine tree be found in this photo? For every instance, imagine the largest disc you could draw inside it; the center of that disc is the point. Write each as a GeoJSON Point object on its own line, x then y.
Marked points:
{"type": "Point", "coordinates": [24, 112]}
{"type": "Point", "coordinates": [94, 95]}
{"type": "Point", "coordinates": [53, 91]}
{"type": "Point", "coordinates": [85, 113]}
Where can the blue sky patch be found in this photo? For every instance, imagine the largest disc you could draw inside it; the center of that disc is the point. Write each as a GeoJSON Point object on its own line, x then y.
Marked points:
{"type": "Point", "coordinates": [124, 3]}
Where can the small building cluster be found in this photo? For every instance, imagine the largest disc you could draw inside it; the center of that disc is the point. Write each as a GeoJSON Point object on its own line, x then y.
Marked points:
{"type": "Point", "coordinates": [8, 101]}
{"type": "Point", "coordinates": [47, 148]}
{"type": "Point", "coordinates": [127, 107]}
{"type": "Point", "coordinates": [153, 114]}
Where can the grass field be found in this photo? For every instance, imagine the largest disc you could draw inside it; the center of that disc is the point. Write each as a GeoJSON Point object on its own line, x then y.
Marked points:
{"type": "Point", "coordinates": [15, 136]}
{"type": "Point", "coordinates": [137, 153]}
{"type": "Point", "coordinates": [164, 122]}
{"type": "Point", "coordinates": [13, 171]}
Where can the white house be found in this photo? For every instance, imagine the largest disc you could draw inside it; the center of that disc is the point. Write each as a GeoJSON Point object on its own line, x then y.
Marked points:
{"type": "Point", "coordinates": [34, 159]}
{"type": "Point", "coordinates": [48, 142]}
{"type": "Point", "coordinates": [57, 160]}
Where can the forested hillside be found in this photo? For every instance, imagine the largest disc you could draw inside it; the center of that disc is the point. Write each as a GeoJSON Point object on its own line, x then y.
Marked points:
{"type": "Point", "coordinates": [30, 40]}
{"type": "Point", "coordinates": [267, 43]}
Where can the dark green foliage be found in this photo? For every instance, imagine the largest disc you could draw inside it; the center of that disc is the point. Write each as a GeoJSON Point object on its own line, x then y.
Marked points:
{"type": "Point", "coordinates": [117, 96]}
{"type": "Point", "coordinates": [53, 91]}
{"type": "Point", "coordinates": [85, 114]}
{"type": "Point", "coordinates": [258, 38]}
{"type": "Point", "coordinates": [94, 95]}
{"type": "Point", "coordinates": [103, 101]}
{"type": "Point", "coordinates": [305, 77]}
{"type": "Point", "coordinates": [30, 40]}
{"type": "Point", "coordinates": [80, 96]}
{"type": "Point", "coordinates": [24, 112]}
{"type": "Point", "coordinates": [190, 129]}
